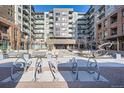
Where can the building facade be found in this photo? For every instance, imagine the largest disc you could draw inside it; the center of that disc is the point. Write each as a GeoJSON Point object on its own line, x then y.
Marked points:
{"type": "Point", "coordinates": [7, 12]}
{"type": "Point", "coordinates": [61, 28]}
{"type": "Point", "coordinates": [9, 35]}
{"type": "Point", "coordinates": [110, 27]}
{"type": "Point", "coordinates": [24, 18]}
{"type": "Point", "coordinates": [41, 25]}
{"type": "Point", "coordinates": [9, 32]}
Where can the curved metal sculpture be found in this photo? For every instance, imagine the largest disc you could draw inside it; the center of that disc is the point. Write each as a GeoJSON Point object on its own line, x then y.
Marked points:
{"type": "Point", "coordinates": [19, 66]}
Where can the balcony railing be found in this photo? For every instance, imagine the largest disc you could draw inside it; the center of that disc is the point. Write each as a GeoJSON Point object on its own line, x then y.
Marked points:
{"type": "Point", "coordinates": [25, 11]}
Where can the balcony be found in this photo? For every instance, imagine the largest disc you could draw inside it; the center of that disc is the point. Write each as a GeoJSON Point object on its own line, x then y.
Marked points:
{"type": "Point", "coordinates": [50, 17]}
{"type": "Point", "coordinates": [51, 20]}
{"type": "Point", "coordinates": [70, 17]}
{"type": "Point", "coordinates": [70, 12]}
{"type": "Point", "coordinates": [25, 23]}
{"type": "Point", "coordinates": [26, 6]}
{"type": "Point", "coordinates": [25, 11]}
{"type": "Point", "coordinates": [39, 31]}
{"type": "Point", "coordinates": [113, 18]}
{"type": "Point", "coordinates": [101, 15]}
{"type": "Point", "coordinates": [26, 31]}
{"type": "Point", "coordinates": [113, 31]}
{"type": "Point", "coordinates": [50, 25]}
{"type": "Point", "coordinates": [26, 17]}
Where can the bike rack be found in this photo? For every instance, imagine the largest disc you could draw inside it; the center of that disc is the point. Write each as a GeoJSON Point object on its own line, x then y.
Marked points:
{"type": "Point", "coordinates": [75, 67]}
{"type": "Point", "coordinates": [25, 64]}
{"type": "Point", "coordinates": [38, 67]}
{"type": "Point", "coordinates": [91, 65]}
{"type": "Point", "coordinates": [51, 66]}
{"type": "Point", "coordinates": [100, 52]}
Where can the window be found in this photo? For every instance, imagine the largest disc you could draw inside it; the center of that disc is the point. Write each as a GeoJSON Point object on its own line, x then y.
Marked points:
{"type": "Point", "coordinates": [64, 13]}
{"type": "Point", "coordinates": [19, 18]}
{"type": "Point", "coordinates": [64, 24]}
{"type": "Point", "coordinates": [57, 19]}
{"type": "Point", "coordinates": [57, 24]}
{"type": "Point", "coordinates": [57, 14]}
{"type": "Point", "coordinates": [108, 6]}
{"type": "Point", "coordinates": [123, 12]}
{"type": "Point", "coordinates": [47, 15]}
{"type": "Point", "coordinates": [123, 28]}
{"type": "Point", "coordinates": [19, 10]}
{"type": "Point", "coordinates": [114, 18]}
{"type": "Point", "coordinates": [57, 28]}
{"type": "Point", "coordinates": [63, 29]}
{"type": "Point", "coordinates": [8, 11]}
{"type": "Point", "coordinates": [114, 31]}
{"type": "Point", "coordinates": [64, 19]}
{"type": "Point", "coordinates": [105, 23]}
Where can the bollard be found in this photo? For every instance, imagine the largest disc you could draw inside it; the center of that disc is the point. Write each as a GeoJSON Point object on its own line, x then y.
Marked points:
{"type": "Point", "coordinates": [118, 56]}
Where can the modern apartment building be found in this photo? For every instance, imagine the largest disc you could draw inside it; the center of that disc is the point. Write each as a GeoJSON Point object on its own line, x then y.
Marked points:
{"type": "Point", "coordinates": [24, 18]}
{"type": "Point", "coordinates": [81, 30]}
{"type": "Point", "coordinates": [41, 29]}
{"type": "Point", "coordinates": [86, 28]}
{"type": "Point", "coordinates": [61, 25]}
{"type": "Point", "coordinates": [111, 26]}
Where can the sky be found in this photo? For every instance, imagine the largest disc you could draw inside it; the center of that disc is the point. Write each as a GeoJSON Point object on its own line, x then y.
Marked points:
{"type": "Point", "coordinates": [46, 8]}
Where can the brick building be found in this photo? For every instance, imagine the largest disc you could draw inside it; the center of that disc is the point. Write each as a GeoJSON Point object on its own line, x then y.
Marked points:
{"type": "Point", "coordinates": [111, 28]}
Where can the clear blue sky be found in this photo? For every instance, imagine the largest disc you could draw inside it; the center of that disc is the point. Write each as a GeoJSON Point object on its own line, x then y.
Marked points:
{"type": "Point", "coordinates": [45, 8]}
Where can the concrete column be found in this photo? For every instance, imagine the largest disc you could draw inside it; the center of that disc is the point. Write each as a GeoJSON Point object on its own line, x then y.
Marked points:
{"type": "Point", "coordinates": [118, 44]}
{"type": "Point", "coordinates": [73, 46]}
{"type": "Point", "coordinates": [53, 47]}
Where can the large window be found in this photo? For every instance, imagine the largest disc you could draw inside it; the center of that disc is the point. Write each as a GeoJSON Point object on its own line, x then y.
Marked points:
{"type": "Point", "coordinates": [105, 23]}
{"type": "Point", "coordinates": [123, 12]}
{"type": "Point", "coordinates": [123, 28]}
{"type": "Point", "coordinates": [57, 19]}
{"type": "Point", "coordinates": [19, 10]}
{"type": "Point", "coordinates": [114, 31]}
{"type": "Point", "coordinates": [64, 19]}
{"type": "Point", "coordinates": [57, 14]}
{"type": "Point", "coordinates": [64, 13]}
{"type": "Point", "coordinates": [19, 18]}
{"type": "Point", "coordinates": [114, 18]}
{"type": "Point", "coordinates": [63, 29]}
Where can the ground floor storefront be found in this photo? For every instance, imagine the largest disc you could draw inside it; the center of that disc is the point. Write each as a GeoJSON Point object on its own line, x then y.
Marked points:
{"type": "Point", "coordinates": [118, 43]}
{"type": "Point", "coordinates": [9, 35]}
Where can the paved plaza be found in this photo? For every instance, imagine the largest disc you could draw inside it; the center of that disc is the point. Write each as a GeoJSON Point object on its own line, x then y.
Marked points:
{"type": "Point", "coordinates": [111, 73]}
